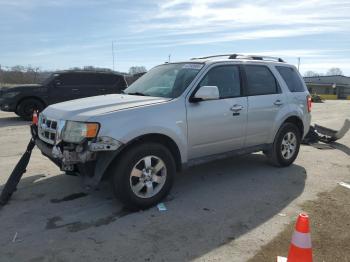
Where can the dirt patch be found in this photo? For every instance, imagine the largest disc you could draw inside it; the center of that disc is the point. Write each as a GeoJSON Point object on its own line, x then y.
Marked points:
{"type": "Point", "coordinates": [330, 230]}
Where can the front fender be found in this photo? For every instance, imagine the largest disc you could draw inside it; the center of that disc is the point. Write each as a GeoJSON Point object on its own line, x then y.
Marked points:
{"type": "Point", "coordinates": [168, 119]}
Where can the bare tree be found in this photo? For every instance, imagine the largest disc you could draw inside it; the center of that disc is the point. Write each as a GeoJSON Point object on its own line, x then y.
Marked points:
{"type": "Point", "coordinates": [334, 71]}
{"type": "Point", "coordinates": [310, 74]}
{"type": "Point", "coordinates": [137, 69]}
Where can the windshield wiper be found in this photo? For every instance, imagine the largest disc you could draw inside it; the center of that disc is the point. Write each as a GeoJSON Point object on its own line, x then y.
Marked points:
{"type": "Point", "coordinates": [137, 94]}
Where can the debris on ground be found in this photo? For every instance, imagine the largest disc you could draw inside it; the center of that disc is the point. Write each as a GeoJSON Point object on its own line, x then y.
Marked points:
{"type": "Point", "coordinates": [343, 184]}
{"type": "Point", "coordinates": [316, 98]}
{"type": "Point", "coordinates": [17, 173]}
{"type": "Point", "coordinates": [161, 207]}
{"type": "Point", "coordinates": [14, 238]}
{"type": "Point", "coordinates": [319, 133]}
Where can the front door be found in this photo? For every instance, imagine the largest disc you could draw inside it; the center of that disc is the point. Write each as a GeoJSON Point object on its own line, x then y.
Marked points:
{"type": "Point", "coordinates": [218, 126]}
{"type": "Point", "coordinates": [64, 87]}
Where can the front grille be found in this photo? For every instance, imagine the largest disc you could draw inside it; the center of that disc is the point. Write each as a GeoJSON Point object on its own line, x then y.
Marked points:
{"type": "Point", "coordinates": [47, 129]}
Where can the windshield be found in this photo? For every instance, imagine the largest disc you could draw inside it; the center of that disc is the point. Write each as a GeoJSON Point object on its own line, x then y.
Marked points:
{"type": "Point", "coordinates": [48, 79]}
{"type": "Point", "coordinates": [168, 80]}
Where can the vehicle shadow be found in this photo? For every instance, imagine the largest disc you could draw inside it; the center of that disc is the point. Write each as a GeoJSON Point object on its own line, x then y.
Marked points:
{"type": "Point", "coordinates": [209, 206]}
{"type": "Point", "coordinates": [12, 121]}
{"type": "Point", "coordinates": [341, 147]}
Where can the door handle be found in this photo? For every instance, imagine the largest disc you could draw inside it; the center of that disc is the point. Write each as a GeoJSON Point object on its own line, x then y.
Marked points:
{"type": "Point", "coordinates": [278, 102]}
{"type": "Point", "coordinates": [75, 89]}
{"type": "Point", "coordinates": [236, 108]}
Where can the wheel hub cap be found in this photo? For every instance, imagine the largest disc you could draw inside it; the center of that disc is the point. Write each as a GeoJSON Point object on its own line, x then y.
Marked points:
{"type": "Point", "coordinates": [289, 145]}
{"type": "Point", "coordinates": [148, 176]}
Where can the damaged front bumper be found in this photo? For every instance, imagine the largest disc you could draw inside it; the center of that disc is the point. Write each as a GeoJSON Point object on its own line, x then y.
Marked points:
{"type": "Point", "coordinates": [90, 158]}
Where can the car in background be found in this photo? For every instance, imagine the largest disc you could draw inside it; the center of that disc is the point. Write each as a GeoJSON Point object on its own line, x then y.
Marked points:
{"type": "Point", "coordinates": [59, 87]}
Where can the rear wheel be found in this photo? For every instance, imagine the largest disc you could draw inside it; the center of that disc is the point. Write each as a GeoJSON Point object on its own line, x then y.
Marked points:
{"type": "Point", "coordinates": [26, 108]}
{"type": "Point", "coordinates": [286, 146]}
{"type": "Point", "coordinates": [143, 176]}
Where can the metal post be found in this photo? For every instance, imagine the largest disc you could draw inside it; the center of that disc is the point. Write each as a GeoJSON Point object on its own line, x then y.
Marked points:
{"type": "Point", "coordinates": [113, 53]}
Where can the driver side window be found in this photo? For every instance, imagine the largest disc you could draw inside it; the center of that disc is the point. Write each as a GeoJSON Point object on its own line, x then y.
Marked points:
{"type": "Point", "coordinates": [226, 78]}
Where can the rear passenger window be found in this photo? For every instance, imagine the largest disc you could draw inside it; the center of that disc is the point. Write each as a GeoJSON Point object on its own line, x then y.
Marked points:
{"type": "Point", "coordinates": [226, 78]}
{"type": "Point", "coordinates": [260, 81]}
{"type": "Point", "coordinates": [292, 79]}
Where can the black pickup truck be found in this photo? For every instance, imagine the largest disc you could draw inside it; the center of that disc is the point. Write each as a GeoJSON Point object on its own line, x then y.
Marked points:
{"type": "Point", "coordinates": [60, 86]}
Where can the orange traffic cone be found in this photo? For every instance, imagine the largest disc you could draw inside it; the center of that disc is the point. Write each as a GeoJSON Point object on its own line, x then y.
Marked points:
{"type": "Point", "coordinates": [35, 118]}
{"type": "Point", "coordinates": [300, 248]}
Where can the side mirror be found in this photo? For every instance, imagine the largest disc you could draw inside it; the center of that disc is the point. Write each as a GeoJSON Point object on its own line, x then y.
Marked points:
{"type": "Point", "coordinates": [206, 93]}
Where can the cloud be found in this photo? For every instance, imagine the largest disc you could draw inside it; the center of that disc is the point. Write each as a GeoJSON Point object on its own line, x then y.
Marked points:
{"type": "Point", "coordinates": [222, 15]}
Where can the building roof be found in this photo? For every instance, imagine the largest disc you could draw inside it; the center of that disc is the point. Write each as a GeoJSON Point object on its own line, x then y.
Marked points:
{"type": "Point", "coordinates": [332, 79]}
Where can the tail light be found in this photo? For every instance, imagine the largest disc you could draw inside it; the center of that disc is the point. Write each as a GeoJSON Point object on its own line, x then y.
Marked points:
{"type": "Point", "coordinates": [309, 103]}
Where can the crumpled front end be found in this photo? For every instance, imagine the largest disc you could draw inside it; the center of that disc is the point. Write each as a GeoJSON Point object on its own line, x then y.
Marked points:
{"type": "Point", "coordinates": [90, 156]}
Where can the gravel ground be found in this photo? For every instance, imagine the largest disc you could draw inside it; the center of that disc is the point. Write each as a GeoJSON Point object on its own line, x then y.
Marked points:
{"type": "Point", "coordinates": [330, 227]}
{"type": "Point", "coordinates": [227, 210]}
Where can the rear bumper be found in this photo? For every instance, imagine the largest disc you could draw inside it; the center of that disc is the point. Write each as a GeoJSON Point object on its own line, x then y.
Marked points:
{"type": "Point", "coordinates": [306, 123]}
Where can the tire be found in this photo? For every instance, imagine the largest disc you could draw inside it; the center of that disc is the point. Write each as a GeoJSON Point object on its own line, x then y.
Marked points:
{"type": "Point", "coordinates": [135, 178]}
{"type": "Point", "coordinates": [27, 106]}
{"type": "Point", "coordinates": [286, 146]}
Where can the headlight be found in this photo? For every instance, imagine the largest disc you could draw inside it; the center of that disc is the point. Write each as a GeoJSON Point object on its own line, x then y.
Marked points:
{"type": "Point", "coordinates": [9, 94]}
{"type": "Point", "coordinates": [75, 132]}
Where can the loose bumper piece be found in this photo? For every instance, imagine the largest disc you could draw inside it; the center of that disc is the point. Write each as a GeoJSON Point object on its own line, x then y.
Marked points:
{"type": "Point", "coordinates": [326, 135]}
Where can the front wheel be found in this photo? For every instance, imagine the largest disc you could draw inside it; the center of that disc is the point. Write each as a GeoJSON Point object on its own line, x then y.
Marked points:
{"type": "Point", "coordinates": [286, 146]}
{"type": "Point", "coordinates": [143, 176]}
{"type": "Point", "coordinates": [26, 108]}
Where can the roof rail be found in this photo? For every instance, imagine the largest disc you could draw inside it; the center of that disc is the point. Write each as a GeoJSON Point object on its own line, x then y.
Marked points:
{"type": "Point", "coordinates": [252, 57]}
{"type": "Point", "coordinates": [212, 56]}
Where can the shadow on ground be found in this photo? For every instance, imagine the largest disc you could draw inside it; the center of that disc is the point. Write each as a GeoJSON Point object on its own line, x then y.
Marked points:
{"type": "Point", "coordinates": [341, 147]}
{"type": "Point", "coordinates": [210, 205]}
{"type": "Point", "coordinates": [13, 121]}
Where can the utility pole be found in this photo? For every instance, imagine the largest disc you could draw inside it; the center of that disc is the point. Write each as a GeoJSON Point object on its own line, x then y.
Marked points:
{"type": "Point", "coordinates": [169, 57]}
{"type": "Point", "coordinates": [298, 63]}
{"type": "Point", "coordinates": [113, 54]}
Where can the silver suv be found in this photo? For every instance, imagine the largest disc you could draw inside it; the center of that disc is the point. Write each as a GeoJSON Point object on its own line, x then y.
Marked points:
{"type": "Point", "coordinates": [178, 115]}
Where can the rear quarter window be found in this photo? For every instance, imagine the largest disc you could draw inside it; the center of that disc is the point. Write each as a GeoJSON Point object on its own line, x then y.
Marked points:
{"type": "Point", "coordinates": [260, 81]}
{"type": "Point", "coordinates": [292, 79]}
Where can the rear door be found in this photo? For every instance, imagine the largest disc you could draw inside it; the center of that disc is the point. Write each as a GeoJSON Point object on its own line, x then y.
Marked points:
{"type": "Point", "coordinates": [265, 100]}
{"type": "Point", "coordinates": [218, 126]}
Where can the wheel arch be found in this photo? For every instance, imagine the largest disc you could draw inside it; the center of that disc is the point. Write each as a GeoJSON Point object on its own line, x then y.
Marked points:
{"type": "Point", "coordinates": [153, 137]}
{"type": "Point", "coordinates": [296, 121]}
{"type": "Point", "coordinates": [30, 97]}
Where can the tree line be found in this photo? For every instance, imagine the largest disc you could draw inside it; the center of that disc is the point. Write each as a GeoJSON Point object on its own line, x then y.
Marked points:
{"type": "Point", "coordinates": [34, 75]}
{"type": "Point", "coordinates": [331, 72]}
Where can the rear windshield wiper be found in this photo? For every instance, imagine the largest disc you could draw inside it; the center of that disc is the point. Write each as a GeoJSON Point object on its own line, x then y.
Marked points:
{"type": "Point", "coordinates": [136, 94]}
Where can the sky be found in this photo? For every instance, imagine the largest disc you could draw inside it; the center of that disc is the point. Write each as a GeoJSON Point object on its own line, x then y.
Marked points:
{"type": "Point", "coordinates": [61, 34]}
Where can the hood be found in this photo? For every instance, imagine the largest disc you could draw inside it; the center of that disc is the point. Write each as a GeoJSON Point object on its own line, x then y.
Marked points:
{"type": "Point", "coordinates": [20, 87]}
{"type": "Point", "coordinates": [85, 108]}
